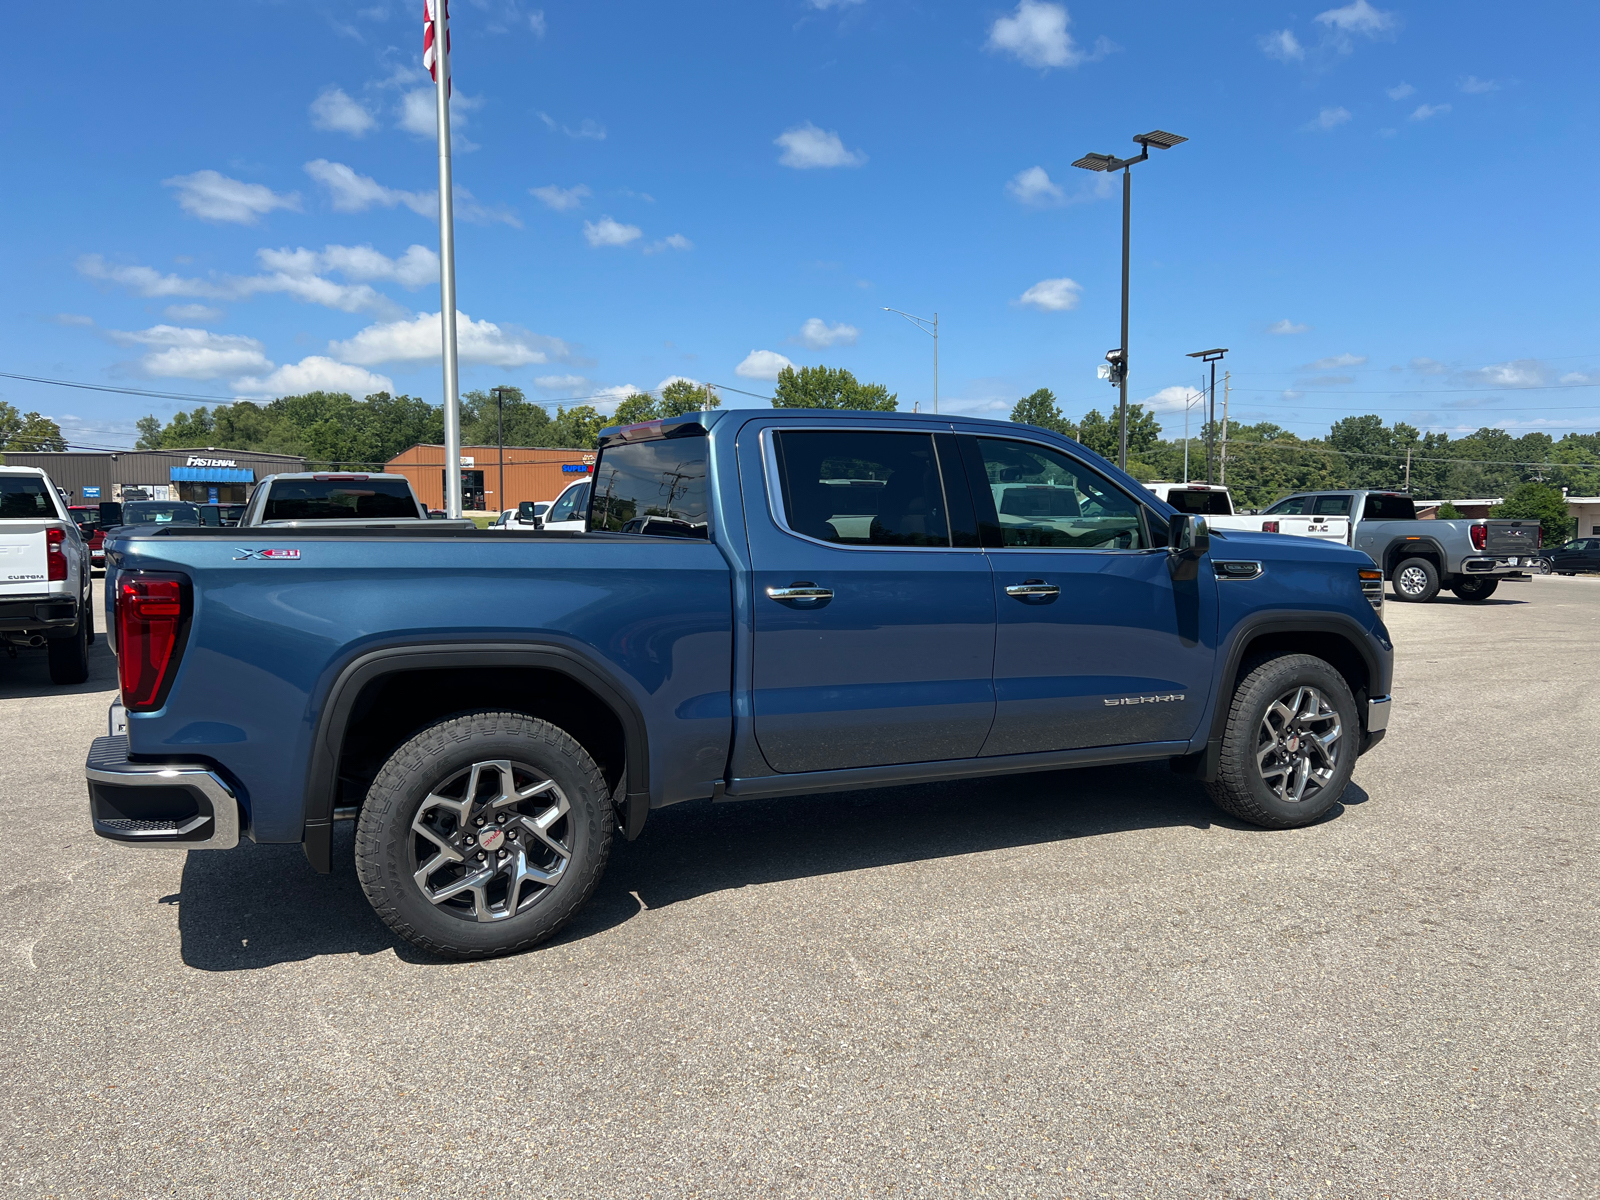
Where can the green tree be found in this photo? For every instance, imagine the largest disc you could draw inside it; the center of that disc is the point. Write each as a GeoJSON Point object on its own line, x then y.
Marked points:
{"type": "Point", "coordinates": [830, 387]}
{"type": "Point", "coordinates": [636, 410]}
{"type": "Point", "coordinates": [1541, 502]}
{"type": "Point", "coordinates": [149, 432]}
{"type": "Point", "coordinates": [577, 428]}
{"type": "Point", "coordinates": [1101, 434]}
{"type": "Point", "coordinates": [28, 431]}
{"type": "Point", "coordinates": [525, 424]}
{"type": "Point", "coordinates": [1448, 512]}
{"type": "Point", "coordinates": [685, 396]}
{"type": "Point", "coordinates": [1039, 408]}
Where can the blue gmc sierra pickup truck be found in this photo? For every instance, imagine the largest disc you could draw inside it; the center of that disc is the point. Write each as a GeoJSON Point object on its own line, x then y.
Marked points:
{"type": "Point", "coordinates": [765, 603]}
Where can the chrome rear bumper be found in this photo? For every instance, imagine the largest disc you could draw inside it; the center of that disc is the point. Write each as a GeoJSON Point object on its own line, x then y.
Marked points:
{"type": "Point", "coordinates": [183, 805]}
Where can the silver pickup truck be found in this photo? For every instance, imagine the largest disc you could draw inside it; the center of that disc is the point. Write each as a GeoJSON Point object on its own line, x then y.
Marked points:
{"type": "Point", "coordinates": [1470, 557]}
{"type": "Point", "coordinates": [44, 574]}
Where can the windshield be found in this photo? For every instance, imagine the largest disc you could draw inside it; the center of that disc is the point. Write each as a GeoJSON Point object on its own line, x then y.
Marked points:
{"type": "Point", "coordinates": [88, 519]}
{"type": "Point", "coordinates": [1208, 503]}
{"type": "Point", "coordinates": [23, 496]}
{"type": "Point", "coordinates": [1292, 507]}
{"type": "Point", "coordinates": [338, 499]}
{"type": "Point", "coordinates": [160, 512]}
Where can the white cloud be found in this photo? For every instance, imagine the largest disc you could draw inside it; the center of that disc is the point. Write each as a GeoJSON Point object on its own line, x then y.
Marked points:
{"type": "Point", "coordinates": [1286, 326]}
{"type": "Point", "coordinates": [1358, 17]}
{"type": "Point", "coordinates": [817, 334]}
{"type": "Point", "coordinates": [608, 232]}
{"type": "Point", "coordinates": [416, 267]}
{"type": "Point", "coordinates": [147, 281]}
{"type": "Point", "coordinates": [762, 364]}
{"type": "Point", "coordinates": [560, 198]}
{"type": "Point", "coordinates": [1172, 399]}
{"type": "Point", "coordinates": [536, 22]}
{"type": "Point", "coordinates": [1329, 118]}
{"type": "Point", "coordinates": [1425, 111]}
{"type": "Point", "coordinates": [352, 192]}
{"type": "Point", "coordinates": [1281, 45]}
{"type": "Point", "coordinates": [194, 312]}
{"type": "Point", "coordinates": [1473, 86]}
{"type": "Point", "coordinates": [1334, 361]}
{"type": "Point", "coordinates": [1034, 186]}
{"type": "Point", "coordinates": [587, 129]}
{"type": "Point", "coordinates": [314, 374]}
{"type": "Point", "coordinates": [1037, 34]}
{"type": "Point", "coordinates": [335, 112]}
{"type": "Point", "coordinates": [1524, 372]}
{"type": "Point", "coordinates": [214, 197]}
{"type": "Point", "coordinates": [1052, 295]}
{"type": "Point", "coordinates": [674, 241]}
{"type": "Point", "coordinates": [560, 383]}
{"type": "Point", "coordinates": [76, 319]}
{"type": "Point", "coordinates": [419, 115]}
{"type": "Point", "coordinates": [180, 353]}
{"type": "Point", "coordinates": [607, 398]}
{"type": "Point", "coordinates": [805, 146]}
{"type": "Point", "coordinates": [1429, 366]}
{"type": "Point", "coordinates": [1400, 91]}
{"type": "Point", "coordinates": [478, 343]}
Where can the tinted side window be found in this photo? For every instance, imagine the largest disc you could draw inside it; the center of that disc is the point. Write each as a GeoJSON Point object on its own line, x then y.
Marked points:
{"type": "Point", "coordinates": [1389, 508]}
{"type": "Point", "coordinates": [1043, 497]}
{"type": "Point", "coordinates": [1332, 506]}
{"type": "Point", "coordinates": [862, 487]}
{"type": "Point", "coordinates": [327, 499]}
{"type": "Point", "coordinates": [24, 496]}
{"type": "Point", "coordinates": [570, 505]}
{"type": "Point", "coordinates": [656, 488]}
{"type": "Point", "coordinates": [1206, 503]}
{"type": "Point", "coordinates": [1294, 506]}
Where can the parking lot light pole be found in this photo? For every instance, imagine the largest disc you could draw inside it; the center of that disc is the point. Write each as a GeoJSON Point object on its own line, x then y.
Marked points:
{"type": "Point", "coordinates": [1161, 140]}
{"type": "Point", "coordinates": [1212, 357]}
{"type": "Point", "coordinates": [932, 327]}
{"type": "Point", "coordinates": [500, 437]}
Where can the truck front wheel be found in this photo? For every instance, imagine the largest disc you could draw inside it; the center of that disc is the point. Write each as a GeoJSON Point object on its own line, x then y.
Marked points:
{"type": "Point", "coordinates": [1290, 743]}
{"type": "Point", "coordinates": [1415, 580]}
{"type": "Point", "coordinates": [483, 834]}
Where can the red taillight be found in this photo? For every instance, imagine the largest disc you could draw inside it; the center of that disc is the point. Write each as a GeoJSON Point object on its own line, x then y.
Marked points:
{"type": "Point", "coordinates": [1480, 536]}
{"type": "Point", "coordinates": [55, 555]}
{"type": "Point", "coordinates": [152, 619]}
{"type": "Point", "coordinates": [1269, 527]}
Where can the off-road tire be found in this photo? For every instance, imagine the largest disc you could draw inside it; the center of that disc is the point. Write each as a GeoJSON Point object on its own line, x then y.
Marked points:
{"type": "Point", "coordinates": [1415, 580]}
{"type": "Point", "coordinates": [385, 840]}
{"type": "Point", "coordinates": [69, 656]}
{"type": "Point", "coordinates": [1474, 590]}
{"type": "Point", "coordinates": [1240, 788]}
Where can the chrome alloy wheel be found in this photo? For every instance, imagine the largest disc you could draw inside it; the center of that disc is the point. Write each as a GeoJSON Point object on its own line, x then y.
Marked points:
{"type": "Point", "coordinates": [1298, 745]}
{"type": "Point", "coordinates": [1413, 581]}
{"type": "Point", "coordinates": [490, 841]}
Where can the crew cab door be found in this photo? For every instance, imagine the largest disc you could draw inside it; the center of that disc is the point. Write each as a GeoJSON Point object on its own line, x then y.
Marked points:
{"type": "Point", "coordinates": [872, 602]}
{"type": "Point", "coordinates": [1095, 644]}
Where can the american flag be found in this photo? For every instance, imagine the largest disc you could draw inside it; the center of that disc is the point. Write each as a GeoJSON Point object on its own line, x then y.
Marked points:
{"type": "Point", "coordinates": [428, 56]}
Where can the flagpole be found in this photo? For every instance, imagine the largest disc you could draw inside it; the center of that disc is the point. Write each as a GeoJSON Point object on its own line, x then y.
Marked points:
{"type": "Point", "coordinates": [447, 264]}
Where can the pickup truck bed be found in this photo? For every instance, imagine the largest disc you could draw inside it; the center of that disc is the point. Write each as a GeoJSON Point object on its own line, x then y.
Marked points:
{"type": "Point", "coordinates": [822, 602]}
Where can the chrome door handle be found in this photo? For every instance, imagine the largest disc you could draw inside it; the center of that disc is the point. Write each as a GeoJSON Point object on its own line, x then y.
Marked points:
{"type": "Point", "coordinates": [805, 593]}
{"type": "Point", "coordinates": [1033, 587]}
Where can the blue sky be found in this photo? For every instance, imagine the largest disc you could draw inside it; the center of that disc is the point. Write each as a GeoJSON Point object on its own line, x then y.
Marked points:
{"type": "Point", "coordinates": [1381, 209]}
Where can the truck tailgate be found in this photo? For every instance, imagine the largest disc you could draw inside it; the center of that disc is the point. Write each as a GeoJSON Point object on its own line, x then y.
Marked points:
{"type": "Point", "coordinates": [23, 569]}
{"type": "Point", "coordinates": [1512, 537]}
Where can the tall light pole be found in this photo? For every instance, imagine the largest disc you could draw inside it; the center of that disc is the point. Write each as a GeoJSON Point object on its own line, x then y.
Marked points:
{"type": "Point", "coordinates": [500, 436]}
{"type": "Point", "coordinates": [932, 327]}
{"type": "Point", "coordinates": [1161, 140]}
{"type": "Point", "coordinates": [1212, 357]}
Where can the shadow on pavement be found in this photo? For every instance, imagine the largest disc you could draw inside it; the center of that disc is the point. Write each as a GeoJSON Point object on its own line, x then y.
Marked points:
{"type": "Point", "coordinates": [28, 674]}
{"type": "Point", "coordinates": [260, 905]}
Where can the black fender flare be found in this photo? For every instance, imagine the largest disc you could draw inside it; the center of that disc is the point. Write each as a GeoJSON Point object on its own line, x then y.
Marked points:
{"type": "Point", "coordinates": [371, 665]}
{"type": "Point", "coordinates": [1403, 549]}
{"type": "Point", "coordinates": [1340, 625]}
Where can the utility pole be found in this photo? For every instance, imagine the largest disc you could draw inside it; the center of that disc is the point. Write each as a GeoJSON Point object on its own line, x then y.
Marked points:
{"type": "Point", "coordinates": [1223, 475]}
{"type": "Point", "coordinates": [1407, 488]}
{"type": "Point", "coordinates": [929, 327]}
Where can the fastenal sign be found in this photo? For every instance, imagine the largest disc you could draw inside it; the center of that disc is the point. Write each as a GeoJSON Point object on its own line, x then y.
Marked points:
{"type": "Point", "coordinates": [196, 460]}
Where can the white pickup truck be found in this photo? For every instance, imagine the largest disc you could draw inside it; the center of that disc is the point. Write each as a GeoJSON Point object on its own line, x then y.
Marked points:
{"type": "Point", "coordinates": [1215, 504]}
{"type": "Point", "coordinates": [45, 597]}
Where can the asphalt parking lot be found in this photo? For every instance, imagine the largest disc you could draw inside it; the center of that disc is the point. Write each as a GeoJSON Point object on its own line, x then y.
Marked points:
{"type": "Point", "coordinates": [1081, 984]}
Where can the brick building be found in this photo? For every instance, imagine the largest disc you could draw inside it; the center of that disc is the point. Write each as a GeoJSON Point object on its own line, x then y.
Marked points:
{"type": "Point", "coordinates": [200, 475]}
{"type": "Point", "coordinates": [531, 473]}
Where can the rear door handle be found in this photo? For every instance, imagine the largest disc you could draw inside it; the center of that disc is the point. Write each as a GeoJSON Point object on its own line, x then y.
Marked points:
{"type": "Point", "coordinates": [1032, 588]}
{"type": "Point", "coordinates": [803, 593]}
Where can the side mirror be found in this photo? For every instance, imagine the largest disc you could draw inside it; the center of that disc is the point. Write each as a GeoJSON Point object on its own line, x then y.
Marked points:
{"type": "Point", "coordinates": [1188, 540]}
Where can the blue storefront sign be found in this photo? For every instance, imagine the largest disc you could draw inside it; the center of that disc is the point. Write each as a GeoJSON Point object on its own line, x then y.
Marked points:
{"type": "Point", "coordinates": [91, 493]}
{"type": "Point", "coordinates": [211, 495]}
{"type": "Point", "coordinates": [574, 469]}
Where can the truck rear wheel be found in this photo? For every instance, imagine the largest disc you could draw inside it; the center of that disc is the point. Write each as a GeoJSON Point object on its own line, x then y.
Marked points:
{"type": "Point", "coordinates": [483, 834]}
{"type": "Point", "coordinates": [69, 656]}
{"type": "Point", "coordinates": [1415, 580]}
{"type": "Point", "coordinates": [1475, 589]}
{"type": "Point", "coordinates": [1290, 743]}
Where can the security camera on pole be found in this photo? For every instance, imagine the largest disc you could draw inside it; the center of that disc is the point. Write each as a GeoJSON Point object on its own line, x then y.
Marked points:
{"type": "Point", "coordinates": [436, 57]}
{"type": "Point", "coordinates": [1118, 375]}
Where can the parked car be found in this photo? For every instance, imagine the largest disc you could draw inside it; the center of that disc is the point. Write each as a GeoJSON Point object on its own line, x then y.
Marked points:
{"type": "Point", "coordinates": [294, 498]}
{"type": "Point", "coordinates": [1215, 503]}
{"type": "Point", "coordinates": [91, 529]}
{"type": "Point", "coordinates": [1577, 556]}
{"type": "Point", "coordinates": [568, 512]}
{"type": "Point", "coordinates": [45, 597]}
{"type": "Point", "coordinates": [1469, 556]}
{"type": "Point", "coordinates": [834, 600]}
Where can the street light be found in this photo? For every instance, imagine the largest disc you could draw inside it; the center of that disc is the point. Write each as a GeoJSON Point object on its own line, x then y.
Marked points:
{"type": "Point", "coordinates": [500, 436]}
{"type": "Point", "coordinates": [1212, 357]}
{"type": "Point", "coordinates": [1161, 140]}
{"type": "Point", "coordinates": [932, 327]}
